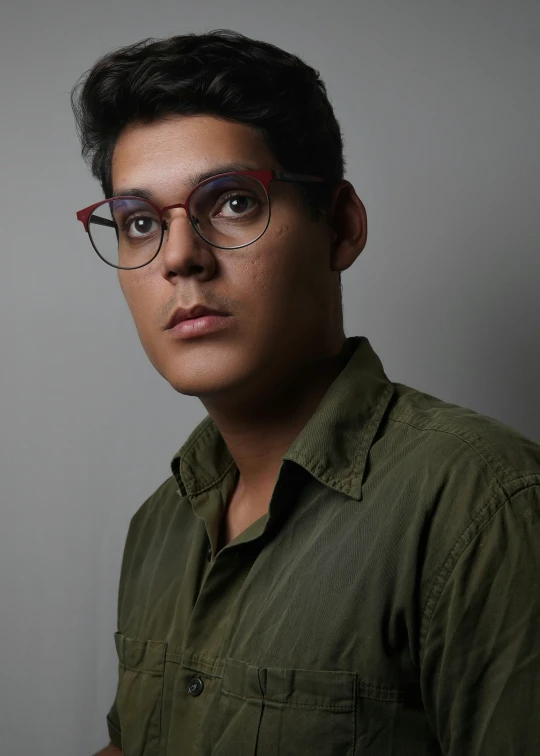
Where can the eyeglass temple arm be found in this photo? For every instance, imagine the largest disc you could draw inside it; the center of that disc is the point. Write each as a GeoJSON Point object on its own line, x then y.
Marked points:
{"type": "Point", "coordinates": [102, 221]}
{"type": "Point", "coordinates": [284, 176]}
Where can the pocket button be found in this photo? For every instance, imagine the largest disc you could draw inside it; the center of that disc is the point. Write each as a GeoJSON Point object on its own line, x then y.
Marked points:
{"type": "Point", "coordinates": [196, 686]}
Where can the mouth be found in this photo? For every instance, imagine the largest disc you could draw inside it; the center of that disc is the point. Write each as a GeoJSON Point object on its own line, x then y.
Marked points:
{"type": "Point", "coordinates": [181, 315]}
{"type": "Point", "coordinates": [190, 328]}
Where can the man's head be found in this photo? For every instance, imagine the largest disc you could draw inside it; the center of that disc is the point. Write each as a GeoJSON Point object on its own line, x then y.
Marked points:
{"type": "Point", "coordinates": [155, 115]}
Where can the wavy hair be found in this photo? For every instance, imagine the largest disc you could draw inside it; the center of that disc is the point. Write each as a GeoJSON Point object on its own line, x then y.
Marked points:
{"type": "Point", "coordinates": [221, 73]}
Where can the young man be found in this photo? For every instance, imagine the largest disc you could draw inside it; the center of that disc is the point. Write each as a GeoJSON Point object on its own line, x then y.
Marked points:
{"type": "Point", "coordinates": [338, 563]}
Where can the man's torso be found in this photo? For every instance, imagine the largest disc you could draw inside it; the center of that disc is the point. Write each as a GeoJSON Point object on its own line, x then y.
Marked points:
{"type": "Point", "coordinates": [305, 634]}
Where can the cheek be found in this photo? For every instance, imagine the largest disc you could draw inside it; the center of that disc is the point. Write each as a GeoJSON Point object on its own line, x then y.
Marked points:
{"type": "Point", "coordinates": [296, 261]}
{"type": "Point", "coordinates": [276, 263]}
{"type": "Point", "coordinates": [279, 284]}
{"type": "Point", "coordinates": [252, 275]}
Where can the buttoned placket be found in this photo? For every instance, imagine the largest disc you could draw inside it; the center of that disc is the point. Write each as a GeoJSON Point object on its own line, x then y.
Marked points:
{"type": "Point", "coordinates": [215, 615]}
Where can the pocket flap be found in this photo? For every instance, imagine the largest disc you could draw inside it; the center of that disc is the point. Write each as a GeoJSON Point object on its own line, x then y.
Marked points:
{"type": "Point", "coordinates": [141, 655]}
{"type": "Point", "coordinates": [317, 689]}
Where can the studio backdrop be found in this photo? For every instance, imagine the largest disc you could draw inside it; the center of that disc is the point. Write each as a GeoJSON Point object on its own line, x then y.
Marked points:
{"type": "Point", "coordinates": [438, 103]}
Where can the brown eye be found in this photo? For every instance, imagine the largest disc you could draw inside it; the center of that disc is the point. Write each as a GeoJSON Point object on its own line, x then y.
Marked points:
{"type": "Point", "coordinates": [141, 226]}
{"type": "Point", "coordinates": [238, 204]}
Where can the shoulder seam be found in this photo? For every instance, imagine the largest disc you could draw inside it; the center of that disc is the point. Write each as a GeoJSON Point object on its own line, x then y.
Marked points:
{"type": "Point", "coordinates": [464, 440]}
{"type": "Point", "coordinates": [471, 531]}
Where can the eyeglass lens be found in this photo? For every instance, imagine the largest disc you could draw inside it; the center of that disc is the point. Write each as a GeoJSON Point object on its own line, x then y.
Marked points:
{"type": "Point", "coordinates": [228, 212]}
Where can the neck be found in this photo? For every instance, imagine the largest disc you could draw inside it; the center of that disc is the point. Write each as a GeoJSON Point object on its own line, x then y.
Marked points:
{"type": "Point", "coordinates": [260, 432]}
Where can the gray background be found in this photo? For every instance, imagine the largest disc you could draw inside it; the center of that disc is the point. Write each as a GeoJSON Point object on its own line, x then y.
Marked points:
{"type": "Point", "coordinates": [439, 105]}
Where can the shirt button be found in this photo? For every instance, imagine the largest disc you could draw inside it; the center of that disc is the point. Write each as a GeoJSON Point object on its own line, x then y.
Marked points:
{"type": "Point", "coordinates": [196, 686]}
{"type": "Point", "coordinates": [209, 552]}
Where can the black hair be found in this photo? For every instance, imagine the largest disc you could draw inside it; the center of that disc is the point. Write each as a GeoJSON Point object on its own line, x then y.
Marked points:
{"type": "Point", "coordinates": [221, 73]}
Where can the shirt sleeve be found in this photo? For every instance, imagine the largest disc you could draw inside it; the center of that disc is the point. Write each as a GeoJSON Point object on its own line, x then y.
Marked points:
{"type": "Point", "coordinates": [113, 720]}
{"type": "Point", "coordinates": [113, 725]}
{"type": "Point", "coordinates": [480, 665]}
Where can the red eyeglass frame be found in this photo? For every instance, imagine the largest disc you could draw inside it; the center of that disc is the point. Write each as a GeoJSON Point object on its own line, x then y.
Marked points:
{"type": "Point", "coordinates": [263, 176]}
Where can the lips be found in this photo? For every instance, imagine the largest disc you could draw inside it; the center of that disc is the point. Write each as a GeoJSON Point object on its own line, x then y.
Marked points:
{"type": "Point", "coordinates": [198, 311]}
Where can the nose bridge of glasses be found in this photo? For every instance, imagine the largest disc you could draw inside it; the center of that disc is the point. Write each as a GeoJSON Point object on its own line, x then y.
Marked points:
{"type": "Point", "coordinates": [168, 217]}
{"type": "Point", "coordinates": [176, 206]}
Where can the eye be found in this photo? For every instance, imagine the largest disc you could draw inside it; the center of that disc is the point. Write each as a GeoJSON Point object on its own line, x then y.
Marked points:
{"type": "Point", "coordinates": [140, 226]}
{"type": "Point", "coordinates": [237, 204]}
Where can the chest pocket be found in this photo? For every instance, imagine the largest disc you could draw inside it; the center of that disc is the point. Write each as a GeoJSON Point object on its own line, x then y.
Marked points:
{"type": "Point", "coordinates": [139, 695]}
{"type": "Point", "coordinates": [284, 711]}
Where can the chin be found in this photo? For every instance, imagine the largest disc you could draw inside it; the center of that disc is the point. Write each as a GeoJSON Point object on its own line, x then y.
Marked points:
{"type": "Point", "coordinates": [201, 388]}
{"type": "Point", "coordinates": [209, 368]}
{"type": "Point", "coordinates": [205, 377]}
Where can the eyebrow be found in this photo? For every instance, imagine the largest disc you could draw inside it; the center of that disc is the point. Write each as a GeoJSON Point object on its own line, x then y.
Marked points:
{"type": "Point", "coordinates": [192, 181]}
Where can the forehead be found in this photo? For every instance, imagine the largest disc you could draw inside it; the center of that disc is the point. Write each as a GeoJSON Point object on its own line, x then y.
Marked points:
{"type": "Point", "coordinates": [165, 154]}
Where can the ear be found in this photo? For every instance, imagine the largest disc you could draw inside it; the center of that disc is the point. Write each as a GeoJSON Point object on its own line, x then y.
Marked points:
{"type": "Point", "coordinates": [348, 223]}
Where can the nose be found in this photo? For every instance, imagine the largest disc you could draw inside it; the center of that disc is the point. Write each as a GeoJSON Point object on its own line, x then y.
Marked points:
{"type": "Point", "coordinates": [183, 252]}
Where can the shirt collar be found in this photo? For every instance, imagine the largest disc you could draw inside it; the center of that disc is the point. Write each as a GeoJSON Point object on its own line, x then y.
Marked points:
{"type": "Point", "coordinates": [334, 444]}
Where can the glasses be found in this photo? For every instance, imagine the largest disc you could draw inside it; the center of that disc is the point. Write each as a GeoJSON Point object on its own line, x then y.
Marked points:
{"type": "Point", "coordinates": [229, 211]}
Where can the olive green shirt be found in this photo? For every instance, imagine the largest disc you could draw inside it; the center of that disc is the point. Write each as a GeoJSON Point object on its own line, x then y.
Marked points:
{"type": "Point", "coordinates": [388, 604]}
